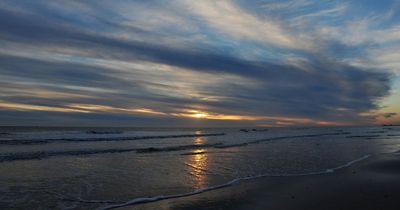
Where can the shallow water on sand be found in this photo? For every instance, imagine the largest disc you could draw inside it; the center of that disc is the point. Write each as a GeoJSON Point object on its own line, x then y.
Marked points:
{"type": "Point", "coordinates": [88, 168]}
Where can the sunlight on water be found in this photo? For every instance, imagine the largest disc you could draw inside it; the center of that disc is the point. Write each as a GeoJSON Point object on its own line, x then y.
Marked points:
{"type": "Point", "coordinates": [199, 140]}
{"type": "Point", "coordinates": [197, 167]}
{"type": "Point", "coordinates": [59, 174]}
{"type": "Point", "coordinates": [197, 164]}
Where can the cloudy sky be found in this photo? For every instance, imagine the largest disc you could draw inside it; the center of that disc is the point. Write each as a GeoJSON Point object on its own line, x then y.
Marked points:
{"type": "Point", "coordinates": [199, 63]}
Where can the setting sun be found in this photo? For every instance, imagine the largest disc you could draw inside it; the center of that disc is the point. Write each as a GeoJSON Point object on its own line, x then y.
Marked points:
{"type": "Point", "coordinates": [200, 115]}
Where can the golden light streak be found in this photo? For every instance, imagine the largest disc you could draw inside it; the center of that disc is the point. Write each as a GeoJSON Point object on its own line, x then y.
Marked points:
{"type": "Point", "coordinates": [103, 108]}
{"type": "Point", "coordinates": [148, 111]}
{"type": "Point", "coordinates": [29, 107]}
{"type": "Point", "coordinates": [331, 123]}
{"type": "Point", "coordinates": [91, 107]}
{"type": "Point", "coordinates": [186, 113]}
{"type": "Point", "coordinates": [82, 108]}
{"type": "Point", "coordinates": [40, 93]}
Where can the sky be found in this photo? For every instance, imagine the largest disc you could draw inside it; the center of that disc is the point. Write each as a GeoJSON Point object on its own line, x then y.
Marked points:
{"type": "Point", "coordinates": [201, 63]}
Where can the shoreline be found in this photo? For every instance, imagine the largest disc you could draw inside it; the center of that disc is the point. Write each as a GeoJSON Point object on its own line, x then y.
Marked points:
{"type": "Point", "coordinates": [368, 184]}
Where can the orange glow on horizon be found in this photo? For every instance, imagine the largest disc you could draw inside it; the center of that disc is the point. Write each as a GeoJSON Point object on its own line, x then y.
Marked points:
{"type": "Point", "coordinates": [381, 119]}
{"type": "Point", "coordinates": [388, 120]}
{"type": "Point", "coordinates": [213, 116]}
{"type": "Point", "coordinates": [184, 113]}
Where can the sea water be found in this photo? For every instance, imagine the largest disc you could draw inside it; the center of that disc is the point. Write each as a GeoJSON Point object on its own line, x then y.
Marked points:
{"type": "Point", "coordinates": [102, 168]}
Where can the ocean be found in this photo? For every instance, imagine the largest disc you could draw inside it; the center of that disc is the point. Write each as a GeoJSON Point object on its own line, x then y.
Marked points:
{"type": "Point", "coordinates": [104, 168]}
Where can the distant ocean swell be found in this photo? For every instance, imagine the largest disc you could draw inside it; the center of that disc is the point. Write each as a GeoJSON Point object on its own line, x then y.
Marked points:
{"type": "Point", "coordinates": [5, 157]}
{"type": "Point", "coordinates": [122, 138]}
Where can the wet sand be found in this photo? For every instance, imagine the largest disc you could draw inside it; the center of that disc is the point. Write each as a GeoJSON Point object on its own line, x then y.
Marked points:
{"type": "Point", "coordinates": [370, 184]}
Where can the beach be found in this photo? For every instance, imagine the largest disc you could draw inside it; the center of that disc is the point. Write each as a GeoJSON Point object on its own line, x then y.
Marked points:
{"type": "Point", "coordinates": [369, 184]}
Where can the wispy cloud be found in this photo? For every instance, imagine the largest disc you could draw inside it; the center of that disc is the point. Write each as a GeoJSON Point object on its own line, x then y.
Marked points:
{"type": "Point", "coordinates": [265, 62]}
{"type": "Point", "coordinates": [232, 21]}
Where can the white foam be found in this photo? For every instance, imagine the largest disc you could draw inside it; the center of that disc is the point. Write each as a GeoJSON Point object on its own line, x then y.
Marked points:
{"type": "Point", "coordinates": [227, 184]}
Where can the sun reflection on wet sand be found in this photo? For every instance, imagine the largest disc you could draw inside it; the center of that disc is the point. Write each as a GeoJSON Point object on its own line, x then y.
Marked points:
{"type": "Point", "coordinates": [197, 164]}
{"type": "Point", "coordinates": [197, 167]}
